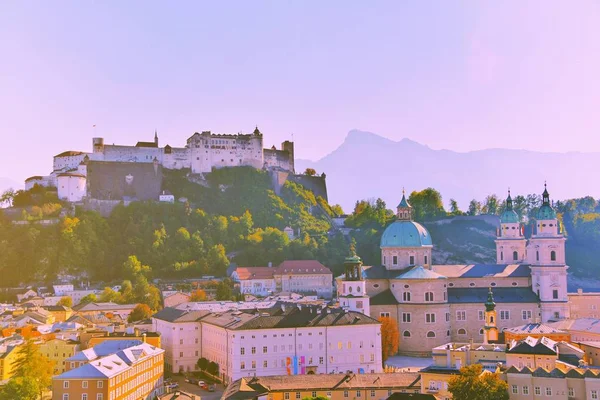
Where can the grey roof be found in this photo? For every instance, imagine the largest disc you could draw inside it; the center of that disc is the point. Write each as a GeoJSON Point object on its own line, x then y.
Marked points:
{"type": "Point", "coordinates": [384, 298]}
{"type": "Point", "coordinates": [107, 306]}
{"type": "Point", "coordinates": [483, 270]}
{"type": "Point", "coordinates": [529, 345]}
{"type": "Point", "coordinates": [104, 349]}
{"type": "Point", "coordinates": [501, 295]}
{"type": "Point", "coordinates": [534, 328]}
{"type": "Point", "coordinates": [171, 314]}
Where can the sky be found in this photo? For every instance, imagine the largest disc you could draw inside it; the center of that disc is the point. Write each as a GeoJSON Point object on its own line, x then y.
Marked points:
{"type": "Point", "coordinates": [456, 75]}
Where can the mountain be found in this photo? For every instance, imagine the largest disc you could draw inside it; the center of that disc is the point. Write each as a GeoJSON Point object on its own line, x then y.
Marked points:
{"type": "Point", "coordinates": [367, 165]}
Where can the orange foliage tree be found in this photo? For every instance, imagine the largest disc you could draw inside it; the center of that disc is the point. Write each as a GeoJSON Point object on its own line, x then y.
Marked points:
{"type": "Point", "coordinates": [389, 337]}
{"type": "Point", "coordinates": [198, 295]}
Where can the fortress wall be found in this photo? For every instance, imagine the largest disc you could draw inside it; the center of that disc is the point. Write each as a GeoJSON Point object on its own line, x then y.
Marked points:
{"type": "Point", "coordinates": [277, 159]}
{"type": "Point", "coordinates": [131, 153]}
{"type": "Point", "coordinates": [316, 184]}
{"type": "Point", "coordinates": [178, 158]}
{"type": "Point", "coordinates": [124, 180]}
{"type": "Point", "coordinates": [104, 207]}
{"type": "Point", "coordinates": [66, 163]}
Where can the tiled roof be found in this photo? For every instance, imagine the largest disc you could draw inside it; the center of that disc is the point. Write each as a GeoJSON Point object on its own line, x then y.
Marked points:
{"type": "Point", "coordinates": [171, 314]}
{"type": "Point", "coordinates": [384, 298]}
{"type": "Point", "coordinates": [420, 273]}
{"type": "Point", "coordinates": [245, 273]}
{"type": "Point", "coordinates": [501, 295]}
{"type": "Point", "coordinates": [580, 324]}
{"type": "Point", "coordinates": [529, 345]}
{"type": "Point", "coordinates": [534, 328]}
{"type": "Point", "coordinates": [108, 306]}
{"type": "Point", "coordinates": [299, 267]}
{"type": "Point", "coordinates": [483, 270]}
{"type": "Point", "coordinates": [103, 349]}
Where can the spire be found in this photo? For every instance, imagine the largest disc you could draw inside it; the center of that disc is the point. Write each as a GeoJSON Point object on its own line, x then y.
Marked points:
{"type": "Point", "coordinates": [256, 131]}
{"type": "Point", "coordinates": [545, 195]}
{"type": "Point", "coordinates": [509, 202]}
{"type": "Point", "coordinates": [490, 305]}
{"type": "Point", "coordinates": [404, 209]}
{"type": "Point", "coordinates": [156, 137]}
{"type": "Point", "coordinates": [353, 264]}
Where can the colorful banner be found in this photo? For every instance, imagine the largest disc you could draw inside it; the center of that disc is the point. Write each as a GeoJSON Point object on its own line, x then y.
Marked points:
{"type": "Point", "coordinates": [295, 365]}
{"type": "Point", "coordinates": [288, 363]}
{"type": "Point", "coordinates": [302, 365]}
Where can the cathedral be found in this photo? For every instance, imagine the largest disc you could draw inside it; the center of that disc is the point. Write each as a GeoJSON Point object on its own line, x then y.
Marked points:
{"type": "Point", "coordinates": [437, 304]}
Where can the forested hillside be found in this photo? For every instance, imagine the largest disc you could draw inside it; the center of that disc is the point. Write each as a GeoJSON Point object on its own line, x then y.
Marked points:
{"type": "Point", "coordinates": [235, 217]}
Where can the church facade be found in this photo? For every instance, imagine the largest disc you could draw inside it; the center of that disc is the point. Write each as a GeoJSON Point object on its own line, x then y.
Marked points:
{"type": "Point", "coordinates": [436, 304]}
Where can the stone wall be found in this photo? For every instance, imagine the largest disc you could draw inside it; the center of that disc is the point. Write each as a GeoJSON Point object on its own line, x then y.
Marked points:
{"type": "Point", "coordinates": [124, 180]}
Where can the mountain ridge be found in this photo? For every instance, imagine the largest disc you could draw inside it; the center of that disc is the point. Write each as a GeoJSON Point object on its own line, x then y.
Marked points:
{"type": "Point", "coordinates": [367, 165]}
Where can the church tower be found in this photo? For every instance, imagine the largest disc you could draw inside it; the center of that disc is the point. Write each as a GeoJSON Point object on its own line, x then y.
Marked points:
{"type": "Point", "coordinates": [156, 137]}
{"type": "Point", "coordinates": [353, 293]}
{"type": "Point", "coordinates": [490, 330]}
{"type": "Point", "coordinates": [510, 241]}
{"type": "Point", "coordinates": [546, 256]}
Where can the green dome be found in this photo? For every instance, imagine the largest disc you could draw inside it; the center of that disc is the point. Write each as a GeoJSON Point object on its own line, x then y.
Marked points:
{"type": "Point", "coordinates": [546, 212]}
{"type": "Point", "coordinates": [509, 217]}
{"type": "Point", "coordinates": [405, 234]}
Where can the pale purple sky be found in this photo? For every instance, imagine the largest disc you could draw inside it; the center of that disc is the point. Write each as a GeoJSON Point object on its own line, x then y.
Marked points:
{"type": "Point", "coordinates": [456, 75]}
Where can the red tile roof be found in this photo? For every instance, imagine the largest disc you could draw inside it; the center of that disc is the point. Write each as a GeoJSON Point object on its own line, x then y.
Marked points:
{"type": "Point", "coordinates": [245, 273]}
{"type": "Point", "coordinates": [299, 267]}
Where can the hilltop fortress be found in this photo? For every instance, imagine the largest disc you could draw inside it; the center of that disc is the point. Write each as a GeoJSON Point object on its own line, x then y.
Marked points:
{"type": "Point", "coordinates": [72, 170]}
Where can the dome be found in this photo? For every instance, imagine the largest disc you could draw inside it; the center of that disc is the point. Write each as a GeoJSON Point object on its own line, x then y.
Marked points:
{"type": "Point", "coordinates": [405, 234]}
{"type": "Point", "coordinates": [546, 212]}
{"type": "Point", "coordinates": [509, 217]}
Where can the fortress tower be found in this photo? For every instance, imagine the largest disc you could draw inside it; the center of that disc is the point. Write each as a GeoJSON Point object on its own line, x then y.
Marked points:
{"type": "Point", "coordinates": [510, 241]}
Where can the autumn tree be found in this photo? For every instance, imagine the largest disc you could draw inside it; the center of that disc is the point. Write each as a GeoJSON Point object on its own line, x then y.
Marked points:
{"type": "Point", "coordinates": [198, 295]}
{"type": "Point", "coordinates": [491, 205]}
{"type": "Point", "coordinates": [427, 204]}
{"type": "Point", "coordinates": [134, 267]}
{"type": "Point", "coordinates": [32, 374]}
{"type": "Point", "coordinates": [389, 337]}
{"type": "Point", "coordinates": [310, 172]}
{"type": "Point", "coordinates": [139, 313]}
{"type": "Point", "coordinates": [65, 301]}
{"type": "Point", "coordinates": [110, 295]}
{"type": "Point", "coordinates": [474, 384]}
{"type": "Point", "coordinates": [90, 298]}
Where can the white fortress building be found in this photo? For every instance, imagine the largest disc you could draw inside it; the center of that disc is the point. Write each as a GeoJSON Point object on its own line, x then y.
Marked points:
{"type": "Point", "coordinates": [202, 152]}
{"type": "Point", "coordinates": [435, 304]}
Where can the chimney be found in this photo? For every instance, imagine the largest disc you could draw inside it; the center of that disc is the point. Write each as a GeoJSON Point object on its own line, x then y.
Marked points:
{"type": "Point", "coordinates": [144, 337]}
{"type": "Point", "coordinates": [270, 264]}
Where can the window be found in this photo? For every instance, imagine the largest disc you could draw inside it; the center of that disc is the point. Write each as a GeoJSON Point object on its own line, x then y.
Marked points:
{"type": "Point", "coordinates": [430, 318]}
{"type": "Point", "coordinates": [480, 315]}
{"type": "Point", "coordinates": [84, 396]}
{"type": "Point", "coordinates": [406, 334]}
{"type": "Point", "coordinates": [99, 396]}
{"type": "Point", "coordinates": [65, 384]}
{"type": "Point", "coordinates": [552, 255]}
{"type": "Point", "coordinates": [594, 394]}
{"type": "Point", "coordinates": [384, 314]}
{"type": "Point", "coordinates": [328, 394]}
{"type": "Point", "coordinates": [481, 331]}
{"type": "Point", "coordinates": [286, 396]}
{"type": "Point", "coordinates": [321, 359]}
{"type": "Point", "coordinates": [526, 314]}
{"type": "Point", "coordinates": [461, 315]}
{"type": "Point", "coordinates": [549, 391]}
{"type": "Point", "coordinates": [100, 384]}
{"type": "Point", "coordinates": [515, 256]}
{"type": "Point", "coordinates": [406, 296]}
{"type": "Point", "coordinates": [242, 351]}
{"type": "Point", "coordinates": [462, 331]}
{"type": "Point", "coordinates": [538, 390]}
{"type": "Point", "coordinates": [556, 315]}
{"type": "Point", "coordinates": [253, 350]}
{"type": "Point", "coordinates": [428, 296]}
{"type": "Point", "coordinates": [431, 334]}
{"type": "Point", "coordinates": [340, 345]}
{"type": "Point", "coordinates": [358, 393]}
{"type": "Point", "coordinates": [253, 364]}
{"type": "Point", "coordinates": [372, 393]}
{"type": "Point", "coordinates": [65, 396]}
{"type": "Point", "coordinates": [84, 384]}
{"type": "Point", "coordinates": [425, 260]}
{"type": "Point", "coordinates": [242, 365]}
{"type": "Point", "coordinates": [395, 260]}
{"type": "Point", "coordinates": [314, 394]}
{"type": "Point", "coordinates": [298, 395]}
{"type": "Point", "coordinates": [501, 256]}
{"type": "Point", "coordinates": [264, 349]}
{"type": "Point", "coordinates": [537, 256]}
{"type": "Point", "coordinates": [406, 317]}
{"type": "Point", "coordinates": [412, 260]}
{"type": "Point", "coordinates": [447, 317]}
{"type": "Point", "coordinates": [515, 389]}
{"type": "Point", "coordinates": [265, 365]}
{"type": "Point", "coordinates": [555, 294]}
{"type": "Point", "coordinates": [345, 393]}
{"type": "Point", "coordinates": [504, 315]}
{"type": "Point", "coordinates": [571, 392]}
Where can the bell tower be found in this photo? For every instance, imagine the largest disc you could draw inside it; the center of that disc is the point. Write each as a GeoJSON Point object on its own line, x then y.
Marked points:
{"type": "Point", "coordinates": [353, 293]}
{"type": "Point", "coordinates": [490, 330]}
{"type": "Point", "coordinates": [404, 211]}
{"type": "Point", "coordinates": [510, 240]}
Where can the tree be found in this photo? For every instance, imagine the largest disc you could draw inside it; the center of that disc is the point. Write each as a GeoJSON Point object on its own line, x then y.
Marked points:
{"type": "Point", "coordinates": [65, 301]}
{"type": "Point", "coordinates": [454, 209]}
{"type": "Point", "coordinates": [427, 204]}
{"type": "Point", "coordinates": [213, 368]}
{"type": "Point", "coordinates": [32, 371]}
{"type": "Point", "coordinates": [490, 205]}
{"type": "Point", "coordinates": [389, 337]}
{"type": "Point", "coordinates": [90, 298]}
{"type": "Point", "coordinates": [217, 259]}
{"type": "Point", "coordinates": [474, 384]}
{"type": "Point", "coordinates": [224, 290]}
{"type": "Point", "coordinates": [7, 197]}
{"type": "Point", "coordinates": [139, 313]}
{"type": "Point", "coordinates": [310, 172]}
{"type": "Point", "coordinates": [198, 295]}
{"type": "Point", "coordinates": [109, 295]}
{"type": "Point", "coordinates": [474, 208]}
{"type": "Point", "coordinates": [134, 267]}
{"type": "Point", "coordinates": [202, 363]}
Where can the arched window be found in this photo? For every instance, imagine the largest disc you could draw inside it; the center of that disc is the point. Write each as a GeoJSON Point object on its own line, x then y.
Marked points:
{"type": "Point", "coordinates": [425, 262]}
{"type": "Point", "coordinates": [553, 255]}
{"type": "Point", "coordinates": [430, 334]}
{"type": "Point", "coordinates": [491, 319]}
{"type": "Point", "coordinates": [350, 289]}
{"type": "Point", "coordinates": [481, 331]}
{"type": "Point", "coordinates": [462, 331]}
{"type": "Point", "coordinates": [515, 256]}
{"type": "Point", "coordinates": [537, 255]}
{"type": "Point", "coordinates": [428, 296]}
{"type": "Point", "coordinates": [406, 296]}
{"type": "Point", "coordinates": [406, 333]}
{"type": "Point", "coordinates": [358, 289]}
{"type": "Point", "coordinates": [501, 256]}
